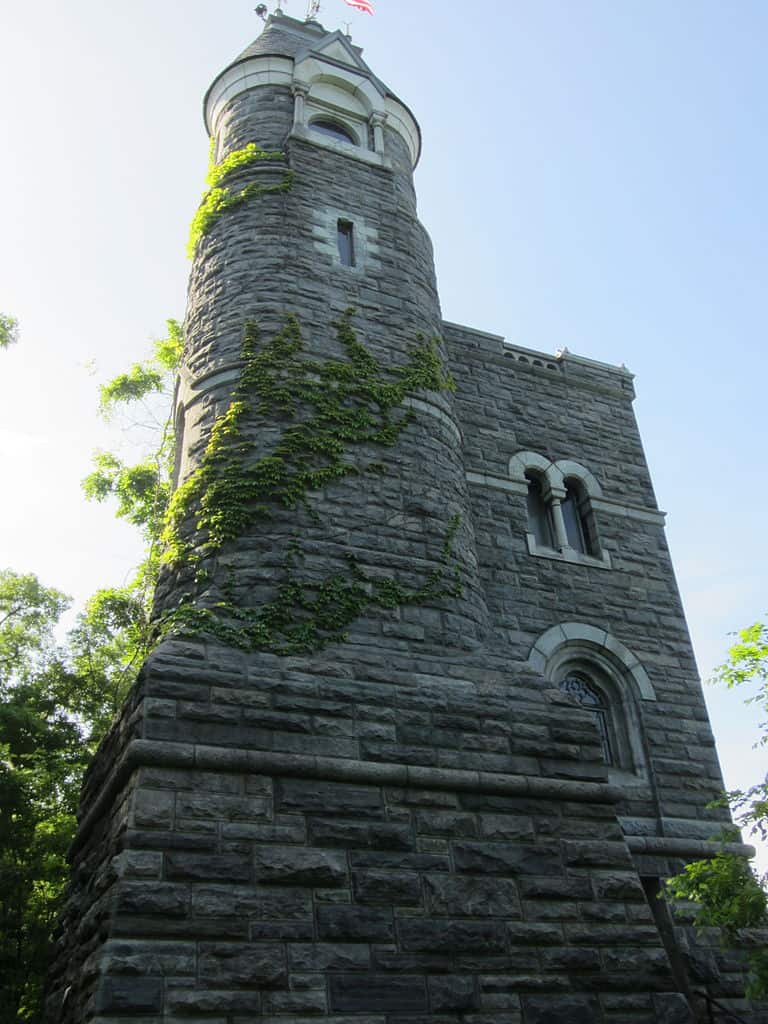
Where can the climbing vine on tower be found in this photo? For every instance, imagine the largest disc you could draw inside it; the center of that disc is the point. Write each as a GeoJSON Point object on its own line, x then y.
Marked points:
{"type": "Point", "coordinates": [219, 198]}
{"type": "Point", "coordinates": [325, 410]}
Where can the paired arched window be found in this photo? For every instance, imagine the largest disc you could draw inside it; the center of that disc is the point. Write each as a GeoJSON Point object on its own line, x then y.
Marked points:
{"type": "Point", "coordinates": [561, 522]}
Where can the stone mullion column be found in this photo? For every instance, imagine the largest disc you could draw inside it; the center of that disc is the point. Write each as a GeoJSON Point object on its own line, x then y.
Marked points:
{"type": "Point", "coordinates": [300, 91]}
{"type": "Point", "coordinates": [377, 123]}
{"type": "Point", "coordinates": [556, 510]}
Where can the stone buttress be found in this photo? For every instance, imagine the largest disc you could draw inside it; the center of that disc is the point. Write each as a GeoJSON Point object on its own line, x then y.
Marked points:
{"type": "Point", "coordinates": [377, 802]}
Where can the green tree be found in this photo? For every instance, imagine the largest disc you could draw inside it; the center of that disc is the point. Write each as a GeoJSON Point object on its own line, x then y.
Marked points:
{"type": "Point", "coordinates": [41, 763]}
{"type": "Point", "coordinates": [142, 488]}
{"type": "Point", "coordinates": [728, 893]}
{"type": "Point", "coordinates": [9, 330]}
{"type": "Point", "coordinates": [56, 703]}
{"type": "Point", "coordinates": [57, 700]}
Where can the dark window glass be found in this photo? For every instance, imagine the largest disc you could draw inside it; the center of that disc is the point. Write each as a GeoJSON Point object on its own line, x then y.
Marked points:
{"type": "Point", "coordinates": [346, 241]}
{"type": "Point", "coordinates": [575, 507]}
{"type": "Point", "coordinates": [573, 528]}
{"type": "Point", "coordinates": [178, 442]}
{"type": "Point", "coordinates": [538, 514]}
{"type": "Point", "coordinates": [332, 130]}
{"type": "Point", "coordinates": [592, 700]}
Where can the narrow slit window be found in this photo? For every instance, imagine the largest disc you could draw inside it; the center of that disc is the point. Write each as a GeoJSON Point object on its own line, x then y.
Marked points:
{"type": "Point", "coordinates": [346, 242]}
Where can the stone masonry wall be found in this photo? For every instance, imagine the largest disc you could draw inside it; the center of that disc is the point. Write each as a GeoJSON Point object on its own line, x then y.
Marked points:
{"type": "Point", "coordinates": [413, 826]}
{"type": "Point", "coordinates": [276, 852]}
{"type": "Point", "coordinates": [567, 409]}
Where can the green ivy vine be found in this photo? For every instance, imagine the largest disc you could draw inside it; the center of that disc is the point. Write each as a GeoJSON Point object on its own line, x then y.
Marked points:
{"type": "Point", "coordinates": [217, 199]}
{"type": "Point", "coordinates": [325, 408]}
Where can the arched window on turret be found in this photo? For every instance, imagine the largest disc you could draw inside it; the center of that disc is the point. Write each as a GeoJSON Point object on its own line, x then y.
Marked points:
{"type": "Point", "coordinates": [539, 517]}
{"type": "Point", "coordinates": [333, 130]}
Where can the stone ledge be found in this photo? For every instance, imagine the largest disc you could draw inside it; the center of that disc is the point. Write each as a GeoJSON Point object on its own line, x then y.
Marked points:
{"type": "Point", "coordinates": [701, 849]}
{"type": "Point", "coordinates": [150, 753]}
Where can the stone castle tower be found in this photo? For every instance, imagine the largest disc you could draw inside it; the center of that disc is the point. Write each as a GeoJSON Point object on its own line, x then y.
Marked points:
{"type": "Point", "coordinates": [424, 731]}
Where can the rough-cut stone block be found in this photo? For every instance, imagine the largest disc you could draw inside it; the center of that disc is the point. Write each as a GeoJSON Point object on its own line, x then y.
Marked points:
{"type": "Point", "coordinates": [672, 1008]}
{"type": "Point", "coordinates": [453, 993]}
{"type": "Point", "coordinates": [328, 957]}
{"type": "Point", "coordinates": [139, 864]}
{"type": "Point", "coordinates": [203, 867]}
{"type": "Point", "coordinates": [148, 958]}
{"type": "Point", "coordinates": [264, 904]}
{"type": "Point", "coordinates": [294, 865]}
{"type": "Point", "coordinates": [225, 965]}
{"type": "Point", "coordinates": [395, 888]}
{"type": "Point", "coordinates": [188, 1002]}
{"type": "Point", "coordinates": [618, 886]}
{"type": "Point", "coordinates": [216, 807]}
{"type": "Point", "coordinates": [561, 1009]}
{"type": "Point", "coordinates": [355, 924]}
{"type": "Point", "coordinates": [153, 808]}
{"type": "Point", "coordinates": [152, 898]}
{"type": "Point", "coordinates": [132, 995]}
{"type": "Point", "coordinates": [372, 835]}
{"type": "Point", "coordinates": [507, 858]}
{"type": "Point", "coordinates": [385, 993]}
{"type": "Point", "coordinates": [448, 936]}
{"type": "Point", "coordinates": [505, 826]}
{"type": "Point", "coordinates": [572, 887]}
{"type": "Point", "coordinates": [472, 897]}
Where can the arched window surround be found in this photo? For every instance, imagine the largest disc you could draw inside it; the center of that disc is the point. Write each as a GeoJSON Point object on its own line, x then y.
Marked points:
{"type": "Point", "coordinates": [344, 97]}
{"type": "Point", "coordinates": [335, 129]}
{"type": "Point", "coordinates": [616, 673]}
{"type": "Point", "coordinates": [562, 481]}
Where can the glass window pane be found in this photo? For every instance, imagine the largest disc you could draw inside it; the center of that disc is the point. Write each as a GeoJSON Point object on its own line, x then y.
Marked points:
{"type": "Point", "coordinates": [538, 514]}
{"type": "Point", "coordinates": [331, 130]}
{"type": "Point", "coordinates": [346, 243]}
{"type": "Point", "coordinates": [572, 519]}
{"type": "Point", "coordinates": [591, 700]}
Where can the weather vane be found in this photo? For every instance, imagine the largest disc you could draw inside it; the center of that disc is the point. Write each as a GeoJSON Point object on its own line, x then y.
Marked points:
{"type": "Point", "coordinates": [313, 9]}
{"type": "Point", "coordinates": [261, 10]}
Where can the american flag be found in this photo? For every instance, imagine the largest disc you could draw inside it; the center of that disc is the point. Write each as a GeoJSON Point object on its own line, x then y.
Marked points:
{"type": "Point", "coordinates": [361, 5]}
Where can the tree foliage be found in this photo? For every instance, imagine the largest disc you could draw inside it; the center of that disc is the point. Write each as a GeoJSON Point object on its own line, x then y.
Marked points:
{"type": "Point", "coordinates": [728, 893]}
{"type": "Point", "coordinates": [57, 699]}
{"type": "Point", "coordinates": [141, 488]}
{"type": "Point", "coordinates": [41, 763]}
{"type": "Point", "coordinates": [9, 330]}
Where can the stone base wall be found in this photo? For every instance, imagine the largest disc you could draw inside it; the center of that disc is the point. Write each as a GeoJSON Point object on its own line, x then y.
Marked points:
{"type": "Point", "coordinates": [223, 879]}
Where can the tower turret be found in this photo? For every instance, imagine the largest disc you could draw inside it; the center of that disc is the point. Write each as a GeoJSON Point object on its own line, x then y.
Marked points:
{"type": "Point", "coordinates": [308, 254]}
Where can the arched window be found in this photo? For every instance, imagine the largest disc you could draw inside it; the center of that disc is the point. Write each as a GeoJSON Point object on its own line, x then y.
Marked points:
{"type": "Point", "coordinates": [559, 503]}
{"type": "Point", "coordinates": [582, 688]}
{"type": "Point", "coordinates": [333, 130]}
{"type": "Point", "coordinates": [605, 678]}
{"type": "Point", "coordinates": [576, 517]}
{"type": "Point", "coordinates": [539, 518]}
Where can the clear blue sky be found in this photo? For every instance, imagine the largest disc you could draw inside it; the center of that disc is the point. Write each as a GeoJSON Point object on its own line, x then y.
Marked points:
{"type": "Point", "coordinates": [593, 176]}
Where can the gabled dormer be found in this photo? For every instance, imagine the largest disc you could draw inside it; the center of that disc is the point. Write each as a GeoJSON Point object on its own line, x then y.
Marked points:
{"type": "Point", "coordinates": [338, 102]}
